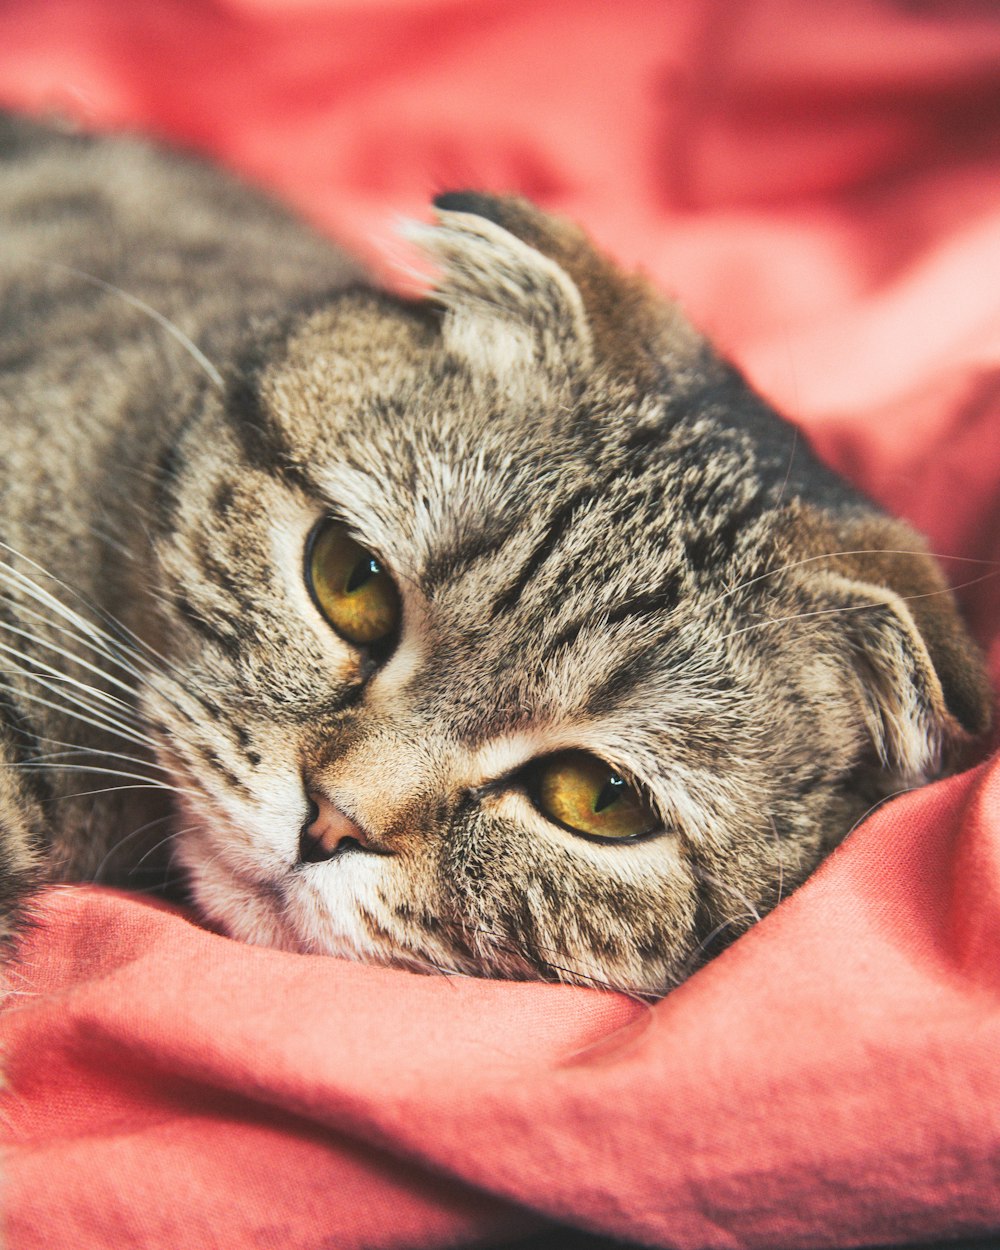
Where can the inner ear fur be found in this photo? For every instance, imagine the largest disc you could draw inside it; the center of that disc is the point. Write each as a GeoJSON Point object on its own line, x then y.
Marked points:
{"type": "Point", "coordinates": [635, 331]}
{"type": "Point", "coordinates": [927, 696]}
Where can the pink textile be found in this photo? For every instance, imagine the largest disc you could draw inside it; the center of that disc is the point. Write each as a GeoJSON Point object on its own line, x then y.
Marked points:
{"type": "Point", "coordinates": [819, 183]}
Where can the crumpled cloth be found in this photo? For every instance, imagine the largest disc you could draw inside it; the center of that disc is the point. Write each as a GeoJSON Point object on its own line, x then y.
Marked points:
{"type": "Point", "coordinates": [819, 186]}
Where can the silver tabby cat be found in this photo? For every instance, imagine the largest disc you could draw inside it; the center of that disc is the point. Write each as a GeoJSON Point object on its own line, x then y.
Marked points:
{"type": "Point", "coordinates": [506, 632]}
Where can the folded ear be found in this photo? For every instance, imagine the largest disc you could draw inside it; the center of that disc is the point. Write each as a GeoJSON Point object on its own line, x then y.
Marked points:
{"type": "Point", "coordinates": [523, 289]}
{"type": "Point", "coordinates": [926, 698]}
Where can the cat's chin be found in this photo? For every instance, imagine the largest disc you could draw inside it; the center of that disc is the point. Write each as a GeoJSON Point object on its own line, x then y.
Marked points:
{"type": "Point", "coordinates": [241, 911]}
{"type": "Point", "coordinates": [321, 909]}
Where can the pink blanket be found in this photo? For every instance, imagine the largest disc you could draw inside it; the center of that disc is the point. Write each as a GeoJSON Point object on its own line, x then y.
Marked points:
{"type": "Point", "coordinates": [819, 183]}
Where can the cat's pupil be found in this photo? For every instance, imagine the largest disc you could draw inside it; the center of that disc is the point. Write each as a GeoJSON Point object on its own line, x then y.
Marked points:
{"type": "Point", "coordinates": [365, 569]}
{"type": "Point", "coordinates": [610, 793]}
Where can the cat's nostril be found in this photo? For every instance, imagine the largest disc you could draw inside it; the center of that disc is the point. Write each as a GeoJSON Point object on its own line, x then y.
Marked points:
{"type": "Point", "coordinates": [327, 832]}
{"type": "Point", "coordinates": [348, 844]}
{"type": "Point", "coordinates": [312, 850]}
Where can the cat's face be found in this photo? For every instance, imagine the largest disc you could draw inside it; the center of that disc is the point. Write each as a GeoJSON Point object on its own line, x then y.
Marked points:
{"type": "Point", "coordinates": [485, 655]}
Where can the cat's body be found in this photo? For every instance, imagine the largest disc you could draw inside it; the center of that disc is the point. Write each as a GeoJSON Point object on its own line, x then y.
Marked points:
{"type": "Point", "coordinates": [585, 546]}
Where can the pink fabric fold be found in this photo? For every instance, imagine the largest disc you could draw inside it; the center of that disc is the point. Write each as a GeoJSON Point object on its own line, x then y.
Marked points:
{"type": "Point", "coordinates": [819, 185]}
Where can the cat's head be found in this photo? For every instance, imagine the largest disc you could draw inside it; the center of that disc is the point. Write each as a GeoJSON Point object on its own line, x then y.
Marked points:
{"type": "Point", "coordinates": [511, 633]}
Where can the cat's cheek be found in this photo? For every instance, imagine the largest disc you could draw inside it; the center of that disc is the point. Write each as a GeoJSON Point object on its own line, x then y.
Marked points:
{"type": "Point", "coordinates": [338, 907]}
{"type": "Point", "coordinates": [241, 910]}
{"type": "Point", "coordinates": [364, 907]}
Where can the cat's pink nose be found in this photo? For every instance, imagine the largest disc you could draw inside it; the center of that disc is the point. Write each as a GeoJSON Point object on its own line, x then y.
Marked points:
{"type": "Point", "coordinates": [328, 832]}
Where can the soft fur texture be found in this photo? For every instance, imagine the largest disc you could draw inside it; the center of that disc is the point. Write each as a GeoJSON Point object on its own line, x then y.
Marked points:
{"type": "Point", "coordinates": [601, 538]}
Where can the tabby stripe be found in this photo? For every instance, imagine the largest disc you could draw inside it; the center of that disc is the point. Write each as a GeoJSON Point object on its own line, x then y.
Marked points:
{"type": "Point", "coordinates": [662, 600]}
{"type": "Point", "coordinates": [225, 642]}
{"type": "Point", "coordinates": [643, 440]}
{"type": "Point", "coordinates": [446, 566]}
{"type": "Point", "coordinates": [622, 680]}
{"type": "Point", "coordinates": [169, 468]}
{"type": "Point", "coordinates": [712, 935]}
{"type": "Point", "coordinates": [220, 575]}
{"type": "Point", "coordinates": [375, 929]}
{"type": "Point", "coordinates": [556, 528]}
{"type": "Point", "coordinates": [23, 734]}
{"type": "Point", "coordinates": [604, 697]}
{"type": "Point", "coordinates": [703, 550]}
{"type": "Point", "coordinates": [786, 465]}
{"type": "Point", "coordinates": [223, 499]}
{"type": "Point", "coordinates": [523, 927]}
{"type": "Point", "coordinates": [263, 441]}
{"type": "Point", "coordinates": [93, 206]}
{"type": "Point", "coordinates": [13, 361]}
{"type": "Point", "coordinates": [424, 920]}
{"type": "Point", "coordinates": [211, 758]}
{"type": "Point", "coordinates": [17, 884]}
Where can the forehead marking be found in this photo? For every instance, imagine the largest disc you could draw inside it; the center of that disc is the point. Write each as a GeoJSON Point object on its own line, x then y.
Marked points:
{"type": "Point", "coordinates": [556, 527]}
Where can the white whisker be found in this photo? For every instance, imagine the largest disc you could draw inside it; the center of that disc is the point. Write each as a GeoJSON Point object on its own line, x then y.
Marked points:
{"type": "Point", "coordinates": [110, 541]}
{"type": "Point", "coordinates": [867, 551]}
{"type": "Point", "coordinates": [788, 469]}
{"type": "Point", "coordinates": [155, 782]}
{"type": "Point", "coordinates": [781, 861]}
{"type": "Point", "coordinates": [106, 726]}
{"type": "Point", "coordinates": [688, 966]}
{"type": "Point", "coordinates": [75, 750]}
{"type": "Point", "coordinates": [879, 803]}
{"type": "Point", "coordinates": [848, 607]}
{"type": "Point", "coordinates": [172, 836]}
{"type": "Point", "coordinates": [82, 639]}
{"type": "Point", "coordinates": [102, 641]}
{"type": "Point", "coordinates": [41, 641]}
{"type": "Point", "coordinates": [133, 301]}
{"type": "Point", "coordinates": [72, 699]}
{"type": "Point", "coordinates": [719, 884]}
{"type": "Point", "coordinates": [115, 643]}
{"type": "Point", "coordinates": [82, 794]}
{"type": "Point", "coordinates": [97, 641]}
{"type": "Point", "coordinates": [120, 707]}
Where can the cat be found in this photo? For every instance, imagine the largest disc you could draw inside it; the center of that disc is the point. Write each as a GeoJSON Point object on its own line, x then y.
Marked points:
{"type": "Point", "coordinates": [504, 632]}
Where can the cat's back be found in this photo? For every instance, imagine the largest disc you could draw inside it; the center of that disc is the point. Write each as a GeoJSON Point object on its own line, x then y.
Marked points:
{"type": "Point", "coordinates": [107, 239]}
{"type": "Point", "coordinates": [129, 274]}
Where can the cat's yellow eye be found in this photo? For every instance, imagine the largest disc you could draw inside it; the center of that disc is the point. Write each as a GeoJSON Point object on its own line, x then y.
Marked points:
{"type": "Point", "coordinates": [350, 587]}
{"type": "Point", "coordinates": [586, 795]}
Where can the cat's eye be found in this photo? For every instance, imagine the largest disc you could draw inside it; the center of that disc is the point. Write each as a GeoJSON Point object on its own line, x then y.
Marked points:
{"type": "Point", "coordinates": [349, 586]}
{"type": "Point", "coordinates": [586, 795]}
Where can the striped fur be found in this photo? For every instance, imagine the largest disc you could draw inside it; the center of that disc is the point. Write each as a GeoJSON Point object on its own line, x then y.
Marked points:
{"type": "Point", "coordinates": [602, 540]}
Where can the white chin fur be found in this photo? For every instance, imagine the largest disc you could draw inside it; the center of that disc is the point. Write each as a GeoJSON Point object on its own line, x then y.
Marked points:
{"type": "Point", "coordinates": [241, 911]}
{"type": "Point", "coordinates": [315, 909]}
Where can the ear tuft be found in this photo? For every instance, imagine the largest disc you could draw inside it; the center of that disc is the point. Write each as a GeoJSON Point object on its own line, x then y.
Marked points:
{"type": "Point", "coordinates": [618, 321]}
{"type": "Point", "coordinates": [512, 314]}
